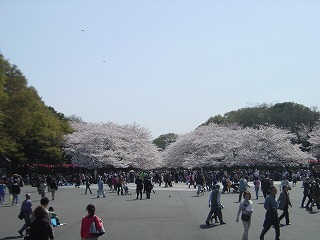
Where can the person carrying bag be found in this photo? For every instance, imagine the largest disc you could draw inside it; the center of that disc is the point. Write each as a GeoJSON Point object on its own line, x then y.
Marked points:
{"type": "Point", "coordinates": [91, 225]}
{"type": "Point", "coordinates": [245, 208]}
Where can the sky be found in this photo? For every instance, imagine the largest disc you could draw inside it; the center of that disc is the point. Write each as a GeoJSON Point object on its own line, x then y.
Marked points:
{"type": "Point", "coordinates": [167, 65]}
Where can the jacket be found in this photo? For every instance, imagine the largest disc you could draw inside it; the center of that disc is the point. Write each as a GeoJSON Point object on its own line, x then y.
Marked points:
{"type": "Point", "coordinates": [86, 223]}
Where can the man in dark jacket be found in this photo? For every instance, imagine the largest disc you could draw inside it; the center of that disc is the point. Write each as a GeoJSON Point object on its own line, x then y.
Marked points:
{"type": "Point", "coordinates": [148, 186]}
{"type": "Point", "coordinates": [15, 193]}
{"type": "Point", "coordinates": [265, 186]}
{"type": "Point", "coordinates": [271, 218]}
{"type": "Point", "coordinates": [215, 205]}
{"type": "Point", "coordinates": [139, 186]}
{"type": "Point", "coordinates": [306, 192]}
{"type": "Point", "coordinates": [26, 209]}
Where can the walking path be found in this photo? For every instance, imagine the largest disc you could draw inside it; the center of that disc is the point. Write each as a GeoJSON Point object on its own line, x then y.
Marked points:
{"type": "Point", "coordinates": [171, 213]}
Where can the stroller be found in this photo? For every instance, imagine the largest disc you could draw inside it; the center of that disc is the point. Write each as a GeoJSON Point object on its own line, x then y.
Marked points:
{"type": "Point", "coordinates": [126, 189]}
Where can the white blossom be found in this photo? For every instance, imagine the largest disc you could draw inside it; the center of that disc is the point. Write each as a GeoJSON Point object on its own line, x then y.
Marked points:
{"type": "Point", "coordinates": [94, 145]}
{"type": "Point", "coordinates": [315, 141]}
{"type": "Point", "coordinates": [216, 145]}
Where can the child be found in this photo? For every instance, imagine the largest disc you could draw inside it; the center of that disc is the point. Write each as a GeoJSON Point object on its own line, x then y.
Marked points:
{"type": "Point", "coordinates": [126, 189]}
{"type": "Point", "coordinates": [54, 218]}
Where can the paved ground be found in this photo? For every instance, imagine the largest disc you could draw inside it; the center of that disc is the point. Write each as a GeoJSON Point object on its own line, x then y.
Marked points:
{"type": "Point", "coordinates": [171, 213]}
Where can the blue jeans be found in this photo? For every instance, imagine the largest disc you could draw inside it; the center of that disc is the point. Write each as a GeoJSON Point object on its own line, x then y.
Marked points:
{"type": "Point", "coordinates": [257, 191]}
{"type": "Point", "coordinates": [15, 198]}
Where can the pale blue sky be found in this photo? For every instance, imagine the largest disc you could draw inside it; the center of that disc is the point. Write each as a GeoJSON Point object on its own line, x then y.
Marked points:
{"type": "Point", "coordinates": [169, 65]}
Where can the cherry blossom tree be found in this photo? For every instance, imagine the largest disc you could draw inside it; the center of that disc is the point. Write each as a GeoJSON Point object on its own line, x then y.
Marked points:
{"type": "Point", "coordinates": [95, 145]}
{"type": "Point", "coordinates": [315, 141]}
{"type": "Point", "coordinates": [216, 145]}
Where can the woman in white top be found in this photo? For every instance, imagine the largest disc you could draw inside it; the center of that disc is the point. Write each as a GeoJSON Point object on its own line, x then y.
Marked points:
{"type": "Point", "coordinates": [245, 208]}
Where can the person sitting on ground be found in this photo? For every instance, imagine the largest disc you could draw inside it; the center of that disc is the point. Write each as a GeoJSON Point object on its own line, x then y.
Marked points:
{"type": "Point", "coordinates": [55, 221]}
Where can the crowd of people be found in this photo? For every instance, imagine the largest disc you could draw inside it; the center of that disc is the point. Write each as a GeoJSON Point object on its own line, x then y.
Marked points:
{"type": "Point", "coordinates": [38, 222]}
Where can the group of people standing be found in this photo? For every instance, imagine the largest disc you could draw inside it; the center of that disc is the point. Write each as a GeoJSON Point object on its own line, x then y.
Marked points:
{"type": "Point", "coordinates": [271, 205]}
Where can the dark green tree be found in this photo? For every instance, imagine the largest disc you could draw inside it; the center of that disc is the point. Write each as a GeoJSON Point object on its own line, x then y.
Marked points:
{"type": "Point", "coordinates": [30, 131]}
{"type": "Point", "coordinates": [164, 140]}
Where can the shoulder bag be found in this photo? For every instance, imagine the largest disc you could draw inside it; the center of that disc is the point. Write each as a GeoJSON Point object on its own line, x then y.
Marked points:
{"type": "Point", "coordinates": [94, 230]}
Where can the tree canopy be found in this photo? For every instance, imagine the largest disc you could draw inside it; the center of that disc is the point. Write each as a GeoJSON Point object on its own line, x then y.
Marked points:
{"type": "Point", "coordinates": [164, 140]}
{"type": "Point", "coordinates": [30, 131]}
{"type": "Point", "coordinates": [298, 119]}
{"type": "Point", "coordinates": [94, 145]}
{"type": "Point", "coordinates": [216, 145]}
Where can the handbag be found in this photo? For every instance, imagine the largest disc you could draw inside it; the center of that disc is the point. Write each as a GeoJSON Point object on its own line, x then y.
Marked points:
{"type": "Point", "coordinates": [245, 217]}
{"type": "Point", "coordinates": [20, 216]}
{"type": "Point", "coordinates": [94, 230]}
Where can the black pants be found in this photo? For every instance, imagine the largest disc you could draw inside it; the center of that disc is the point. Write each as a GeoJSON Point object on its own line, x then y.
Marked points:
{"type": "Point", "coordinates": [271, 218]}
{"type": "Point", "coordinates": [304, 199]}
{"type": "Point", "coordinates": [265, 193]}
{"type": "Point", "coordinates": [216, 211]}
{"type": "Point", "coordinates": [119, 187]}
{"type": "Point", "coordinates": [285, 214]}
{"type": "Point", "coordinates": [87, 189]}
{"type": "Point", "coordinates": [266, 229]}
{"type": "Point", "coordinates": [240, 195]}
{"type": "Point", "coordinates": [139, 191]}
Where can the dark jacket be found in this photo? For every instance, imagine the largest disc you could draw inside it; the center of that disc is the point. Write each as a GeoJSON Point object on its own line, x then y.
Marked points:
{"type": "Point", "coordinates": [40, 229]}
{"type": "Point", "coordinates": [15, 189]}
{"type": "Point", "coordinates": [139, 183]}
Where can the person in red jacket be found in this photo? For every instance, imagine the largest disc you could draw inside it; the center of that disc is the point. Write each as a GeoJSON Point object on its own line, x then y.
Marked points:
{"type": "Point", "coordinates": [87, 221]}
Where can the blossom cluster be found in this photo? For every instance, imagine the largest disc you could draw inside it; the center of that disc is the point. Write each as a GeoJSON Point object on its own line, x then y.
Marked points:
{"type": "Point", "coordinates": [216, 146]}
{"type": "Point", "coordinates": [95, 145]}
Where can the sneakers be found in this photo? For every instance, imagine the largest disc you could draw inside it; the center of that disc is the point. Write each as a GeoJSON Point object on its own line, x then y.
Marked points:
{"type": "Point", "coordinates": [222, 223]}
{"type": "Point", "coordinates": [207, 222]}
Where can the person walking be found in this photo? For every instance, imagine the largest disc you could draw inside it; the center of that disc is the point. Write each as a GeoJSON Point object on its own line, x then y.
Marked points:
{"type": "Point", "coordinates": [100, 188]}
{"type": "Point", "coordinates": [284, 203]}
{"type": "Point", "coordinates": [243, 185]}
{"type": "Point", "coordinates": [15, 190]}
{"type": "Point", "coordinates": [306, 192]}
{"type": "Point", "coordinates": [215, 205]}
{"type": "Point", "coordinates": [265, 186]}
{"type": "Point", "coordinates": [246, 209]}
{"type": "Point", "coordinates": [53, 189]}
{"type": "Point", "coordinates": [199, 182]}
{"type": "Point", "coordinates": [87, 221]}
{"type": "Point", "coordinates": [147, 186]}
{"type": "Point", "coordinates": [88, 184]}
{"type": "Point", "coordinates": [26, 209]}
{"type": "Point", "coordinates": [256, 184]}
{"type": "Point", "coordinates": [2, 191]}
{"type": "Point", "coordinates": [139, 186]}
{"type": "Point", "coordinates": [42, 188]}
{"type": "Point", "coordinates": [315, 194]}
{"type": "Point", "coordinates": [40, 228]}
{"type": "Point", "coordinates": [271, 217]}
